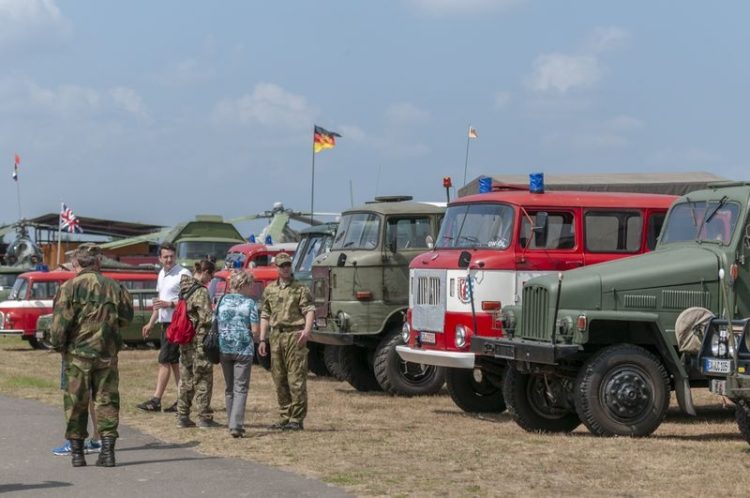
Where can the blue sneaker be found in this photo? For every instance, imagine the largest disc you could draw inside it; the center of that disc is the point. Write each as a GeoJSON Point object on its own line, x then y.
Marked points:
{"type": "Point", "coordinates": [92, 446]}
{"type": "Point", "coordinates": [63, 450]}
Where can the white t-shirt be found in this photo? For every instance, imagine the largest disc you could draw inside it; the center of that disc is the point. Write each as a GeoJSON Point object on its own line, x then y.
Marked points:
{"type": "Point", "coordinates": [168, 286]}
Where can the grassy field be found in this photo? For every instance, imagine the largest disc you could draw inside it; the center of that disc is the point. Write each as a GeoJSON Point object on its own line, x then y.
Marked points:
{"type": "Point", "coordinates": [376, 445]}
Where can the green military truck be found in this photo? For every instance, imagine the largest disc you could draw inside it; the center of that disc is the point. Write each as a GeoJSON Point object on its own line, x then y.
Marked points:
{"type": "Point", "coordinates": [361, 292]}
{"type": "Point", "coordinates": [597, 344]}
{"type": "Point", "coordinates": [8, 275]}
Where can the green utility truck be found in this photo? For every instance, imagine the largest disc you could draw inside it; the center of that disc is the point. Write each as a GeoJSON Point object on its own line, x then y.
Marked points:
{"type": "Point", "coordinates": [598, 345]}
{"type": "Point", "coordinates": [361, 292]}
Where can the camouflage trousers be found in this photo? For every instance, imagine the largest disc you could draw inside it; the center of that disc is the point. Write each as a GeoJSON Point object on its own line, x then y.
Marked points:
{"type": "Point", "coordinates": [84, 378]}
{"type": "Point", "coordinates": [196, 380]}
{"type": "Point", "coordinates": [289, 372]}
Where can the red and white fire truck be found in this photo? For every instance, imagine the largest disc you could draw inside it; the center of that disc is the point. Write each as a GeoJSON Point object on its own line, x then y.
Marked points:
{"type": "Point", "coordinates": [488, 246]}
{"type": "Point", "coordinates": [32, 294]}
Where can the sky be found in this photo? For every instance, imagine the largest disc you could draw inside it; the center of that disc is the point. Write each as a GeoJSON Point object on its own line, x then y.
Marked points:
{"type": "Point", "coordinates": [157, 111]}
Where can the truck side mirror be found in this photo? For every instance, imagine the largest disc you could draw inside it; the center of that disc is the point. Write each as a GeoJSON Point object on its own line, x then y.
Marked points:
{"type": "Point", "coordinates": [342, 259]}
{"type": "Point", "coordinates": [746, 238]}
{"type": "Point", "coordinates": [464, 259]}
{"type": "Point", "coordinates": [429, 241]}
{"type": "Point", "coordinates": [541, 229]}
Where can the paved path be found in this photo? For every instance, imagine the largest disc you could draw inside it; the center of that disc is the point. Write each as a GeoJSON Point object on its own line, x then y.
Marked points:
{"type": "Point", "coordinates": [146, 467]}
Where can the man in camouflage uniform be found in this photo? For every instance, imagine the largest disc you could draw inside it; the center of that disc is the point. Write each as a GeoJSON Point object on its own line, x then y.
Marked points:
{"type": "Point", "coordinates": [88, 312]}
{"type": "Point", "coordinates": [288, 309]}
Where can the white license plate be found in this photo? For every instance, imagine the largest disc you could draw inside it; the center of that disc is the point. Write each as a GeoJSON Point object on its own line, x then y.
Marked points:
{"type": "Point", "coordinates": [718, 386]}
{"type": "Point", "coordinates": [39, 334]}
{"type": "Point", "coordinates": [711, 365]}
{"type": "Point", "coordinates": [427, 337]}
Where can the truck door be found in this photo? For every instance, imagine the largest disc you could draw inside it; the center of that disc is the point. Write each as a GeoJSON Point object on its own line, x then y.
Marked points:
{"type": "Point", "coordinates": [551, 245]}
{"type": "Point", "coordinates": [405, 238]}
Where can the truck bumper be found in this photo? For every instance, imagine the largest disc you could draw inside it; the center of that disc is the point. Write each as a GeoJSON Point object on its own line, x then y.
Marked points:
{"type": "Point", "coordinates": [11, 331]}
{"type": "Point", "coordinates": [523, 350]}
{"type": "Point", "coordinates": [448, 359]}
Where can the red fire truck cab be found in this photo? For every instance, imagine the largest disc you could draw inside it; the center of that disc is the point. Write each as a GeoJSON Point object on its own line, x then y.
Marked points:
{"type": "Point", "coordinates": [488, 246]}
{"type": "Point", "coordinates": [32, 294]}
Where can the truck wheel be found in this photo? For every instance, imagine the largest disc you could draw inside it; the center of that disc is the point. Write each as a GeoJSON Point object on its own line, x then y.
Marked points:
{"type": "Point", "coordinates": [315, 362]}
{"type": "Point", "coordinates": [742, 415]}
{"type": "Point", "coordinates": [622, 391]}
{"type": "Point", "coordinates": [356, 368]}
{"type": "Point", "coordinates": [537, 405]}
{"type": "Point", "coordinates": [36, 343]}
{"type": "Point", "coordinates": [397, 376]}
{"type": "Point", "coordinates": [332, 358]}
{"type": "Point", "coordinates": [472, 396]}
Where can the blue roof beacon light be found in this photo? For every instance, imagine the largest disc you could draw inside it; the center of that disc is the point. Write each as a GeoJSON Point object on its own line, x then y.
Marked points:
{"type": "Point", "coordinates": [269, 240]}
{"type": "Point", "coordinates": [251, 239]}
{"type": "Point", "coordinates": [536, 183]}
{"type": "Point", "coordinates": [485, 184]}
{"type": "Point", "coordinates": [237, 264]}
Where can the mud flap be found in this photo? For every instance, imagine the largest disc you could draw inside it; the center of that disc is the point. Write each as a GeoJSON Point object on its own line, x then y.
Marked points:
{"type": "Point", "coordinates": [684, 396]}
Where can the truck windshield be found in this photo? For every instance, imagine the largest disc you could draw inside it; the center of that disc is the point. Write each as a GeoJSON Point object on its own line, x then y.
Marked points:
{"type": "Point", "coordinates": [314, 246]}
{"type": "Point", "coordinates": [476, 225]}
{"type": "Point", "coordinates": [7, 280]}
{"type": "Point", "coordinates": [357, 231]}
{"type": "Point", "coordinates": [701, 221]}
{"type": "Point", "coordinates": [234, 260]}
{"type": "Point", "coordinates": [201, 249]}
{"type": "Point", "coordinates": [18, 292]}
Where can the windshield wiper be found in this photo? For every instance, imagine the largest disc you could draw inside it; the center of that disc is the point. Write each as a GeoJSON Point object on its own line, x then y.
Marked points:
{"type": "Point", "coordinates": [708, 217]}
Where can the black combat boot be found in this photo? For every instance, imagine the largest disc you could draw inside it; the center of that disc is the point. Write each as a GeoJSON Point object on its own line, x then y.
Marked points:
{"type": "Point", "coordinates": [107, 454]}
{"type": "Point", "coordinates": [76, 450]}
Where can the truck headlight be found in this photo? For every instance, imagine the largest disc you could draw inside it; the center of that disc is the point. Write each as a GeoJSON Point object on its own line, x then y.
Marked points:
{"type": "Point", "coordinates": [461, 334]}
{"type": "Point", "coordinates": [405, 332]}
{"type": "Point", "coordinates": [509, 320]}
{"type": "Point", "coordinates": [715, 344]}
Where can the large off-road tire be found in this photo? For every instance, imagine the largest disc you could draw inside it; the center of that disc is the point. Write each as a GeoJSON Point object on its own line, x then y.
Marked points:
{"type": "Point", "coordinates": [530, 406]}
{"type": "Point", "coordinates": [315, 361]}
{"type": "Point", "coordinates": [742, 415]}
{"type": "Point", "coordinates": [356, 367]}
{"type": "Point", "coordinates": [332, 358]}
{"type": "Point", "coordinates": [404, 378]}
{"type": "Point", "coordinates": [472, 396]}
{"type": "Point", "coordinates": [622, 390]}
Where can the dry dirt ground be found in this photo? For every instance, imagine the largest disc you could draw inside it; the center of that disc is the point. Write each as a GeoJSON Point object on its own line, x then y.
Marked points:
{"type": "Point", "coordinates": [376, 445]}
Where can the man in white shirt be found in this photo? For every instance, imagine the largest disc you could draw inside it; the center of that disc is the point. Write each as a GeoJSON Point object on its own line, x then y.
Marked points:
{"type": "Point", "coordinates": [168, 286]}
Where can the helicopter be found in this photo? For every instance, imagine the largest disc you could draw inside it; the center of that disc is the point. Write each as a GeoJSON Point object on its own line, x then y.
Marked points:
{"type": "Point", "coordinates": [212, 236]}
{"type": "Point", "coordinates": [21, 255]}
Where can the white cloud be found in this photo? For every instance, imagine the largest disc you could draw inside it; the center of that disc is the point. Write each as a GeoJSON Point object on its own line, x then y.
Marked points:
{"type": "Point", "coordinates": [560, 73]}
{"type": "Point", "coordinates": [462, 7]}
{"type": "Point", "coordinates": [502, 99]}
{"type": "Point", "coordinates": [268, 105]}
{"type": "Point", "coordinates": [129, 101]}
{"type": "Point", "coordinates": [405, 113]}
{"type": "Point", "coordinates": [19, 95]}
{"type": "Point", "coordinates": [604, 39]}
{"type": "Point", "coordinates": [31, 22]}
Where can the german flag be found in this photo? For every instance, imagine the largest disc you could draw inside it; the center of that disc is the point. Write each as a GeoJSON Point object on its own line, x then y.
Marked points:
{"type": "Point", "coordinates": [324, 139]}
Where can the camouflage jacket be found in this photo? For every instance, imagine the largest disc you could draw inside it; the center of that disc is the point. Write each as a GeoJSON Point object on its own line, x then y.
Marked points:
{"type": "Point", "coordinates": [199, 307]}
{"type": "Point", "coordinates": [286, 304]}
{"type": "Point", "coordinates": [88, 312]}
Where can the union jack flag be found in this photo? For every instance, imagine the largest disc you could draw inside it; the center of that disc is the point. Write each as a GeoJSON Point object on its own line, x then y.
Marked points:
{"type": "Point", "coordinates": [69, 221]}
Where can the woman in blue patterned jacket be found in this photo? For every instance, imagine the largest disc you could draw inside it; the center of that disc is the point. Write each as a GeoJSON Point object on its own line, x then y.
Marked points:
{"type": "Point", "coordinates": [238, 321]}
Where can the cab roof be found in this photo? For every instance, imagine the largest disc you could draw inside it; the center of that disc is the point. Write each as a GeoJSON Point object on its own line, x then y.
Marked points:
{"type": "Point", "coordinates": [324, 228]}
{"type": "Point", "coordinates": [255, 247]}
{"type": "Point", "coordinates": [570, 199]}
{"type": "Point", "coordinates": [399, 207]}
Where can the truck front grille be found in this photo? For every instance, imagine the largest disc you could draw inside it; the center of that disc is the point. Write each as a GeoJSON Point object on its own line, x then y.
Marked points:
{"type": "Point", "coordinates": [428, 291]}
{"type": "Point", "coordinates": [427, 299]}
{"type": "Point", "coordinates": [535, 323]}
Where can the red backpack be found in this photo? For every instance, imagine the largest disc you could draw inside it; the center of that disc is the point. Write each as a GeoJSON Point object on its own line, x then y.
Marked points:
{"type": "Point", "coordinates": [181, 330]}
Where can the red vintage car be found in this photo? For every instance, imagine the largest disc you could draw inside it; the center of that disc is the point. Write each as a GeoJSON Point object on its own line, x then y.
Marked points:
{"type": "Point", "coordinates": [32, 294]}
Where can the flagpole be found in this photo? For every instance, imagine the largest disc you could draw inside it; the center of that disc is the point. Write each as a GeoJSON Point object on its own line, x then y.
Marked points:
{"type": "Point", "coordinates": [466, 161]}
{"type": "Point", "coordinates": [312, 182]}
{"type": "Point", "coordinates": [18, 196]}
{"type": "Point", "coordinates": [59, 234]}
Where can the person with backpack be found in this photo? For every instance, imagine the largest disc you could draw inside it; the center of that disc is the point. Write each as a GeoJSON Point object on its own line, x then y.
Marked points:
{"type": "Point", "coordinates": [237, 319]}
{"type": "Point", "coordinates": [196, 371]}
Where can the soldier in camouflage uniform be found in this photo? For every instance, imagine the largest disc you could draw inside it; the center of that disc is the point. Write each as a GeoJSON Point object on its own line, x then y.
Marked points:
{"type": "Point", "coordinates": [196, 371]}
{"type": "Point", "coordinates": [288, 309]}
{"type": "Point", "coordinates": [88, 312]}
